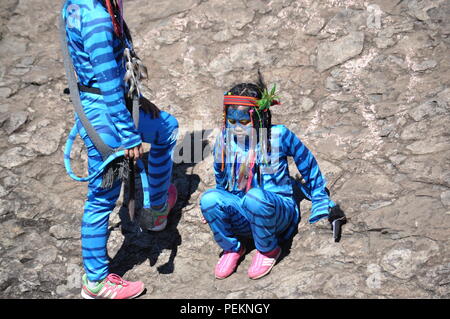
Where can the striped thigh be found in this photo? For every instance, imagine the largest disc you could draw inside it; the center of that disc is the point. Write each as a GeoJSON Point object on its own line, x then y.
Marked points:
{"type": "Point", "coordinates": [270, 215]}
{"type": "Point", "coordinates": [224, 214]}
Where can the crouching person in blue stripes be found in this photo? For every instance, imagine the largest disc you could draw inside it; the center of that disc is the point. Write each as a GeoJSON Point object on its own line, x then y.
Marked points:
{"type": "Point", "coordinates": [96, 39]}
{"type": "Point", "coordinates": [253, 197]}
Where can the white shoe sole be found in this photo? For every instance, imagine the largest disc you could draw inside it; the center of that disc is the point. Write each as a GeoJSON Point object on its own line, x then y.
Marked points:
{"type": "Point", "coordinates": [86, 296]}
{"type": "Point", "coordinates": [268, 270]}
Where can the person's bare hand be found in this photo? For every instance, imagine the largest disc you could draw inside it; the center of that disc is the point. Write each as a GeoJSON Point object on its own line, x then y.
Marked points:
{"type": "Point", "coordinates": [134, 153]}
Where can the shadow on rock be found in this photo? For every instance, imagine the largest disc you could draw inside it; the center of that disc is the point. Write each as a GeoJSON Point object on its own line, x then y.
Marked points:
{"type": "Point", "coordinates": [142, 245]}
{"type": "Point", "coordinates": [299, 196]}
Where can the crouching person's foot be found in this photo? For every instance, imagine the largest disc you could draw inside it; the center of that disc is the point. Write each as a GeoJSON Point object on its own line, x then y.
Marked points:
{"type": "Point", "coordinates": [112, 287]}
{"type": "Point", "coordinates": [227, 263]}
{"type": "Point", "coordinates": [262, 263]}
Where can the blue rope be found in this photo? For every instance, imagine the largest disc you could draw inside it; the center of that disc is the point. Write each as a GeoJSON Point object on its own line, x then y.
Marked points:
{"type": "Point", "coordinates": [72, 136]}
{"type": "Point", "coordinates": [145, 184]}
{"type": "Point", "coordinates": [68, 148]}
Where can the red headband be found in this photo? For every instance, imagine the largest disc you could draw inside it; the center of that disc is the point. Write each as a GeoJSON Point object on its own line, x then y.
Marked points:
{"type": "Point", "coordinates": [240, 100]}
{"type": "Point", "coordinates": [243, 100]}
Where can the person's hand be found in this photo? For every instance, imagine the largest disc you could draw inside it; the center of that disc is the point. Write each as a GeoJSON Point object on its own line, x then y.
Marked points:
{"type": "Point", "coordinates": [148, 107]}
{"type": "Point", "coordinates": [134, 153]}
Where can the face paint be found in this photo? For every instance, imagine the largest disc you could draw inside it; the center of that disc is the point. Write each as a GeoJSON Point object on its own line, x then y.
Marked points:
{"type": "Point", "coordinates": [239, 120]}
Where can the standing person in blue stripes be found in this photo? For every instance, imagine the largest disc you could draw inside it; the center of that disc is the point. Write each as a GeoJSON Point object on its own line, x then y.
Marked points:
{"type": "Point", "coordinates": [97, 37]}
{"type": "Point", "coordinates": [253, 197]}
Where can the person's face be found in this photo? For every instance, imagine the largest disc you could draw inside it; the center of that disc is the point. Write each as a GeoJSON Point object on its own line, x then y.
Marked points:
{"type": "Point", "coordinates": [238, 120]}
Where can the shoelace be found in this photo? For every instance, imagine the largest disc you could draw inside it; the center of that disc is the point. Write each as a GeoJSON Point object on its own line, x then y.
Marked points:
{"type": "Point", "coordinates": [116, 279]}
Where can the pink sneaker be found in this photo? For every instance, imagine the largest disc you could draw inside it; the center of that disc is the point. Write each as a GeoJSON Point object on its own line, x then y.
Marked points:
{"type": "Point", "coordinates": [227, 263]}
{"type": "Point", "coordinates": [262, 263]}
{"type": "Point", "coordinates": [112, 287]}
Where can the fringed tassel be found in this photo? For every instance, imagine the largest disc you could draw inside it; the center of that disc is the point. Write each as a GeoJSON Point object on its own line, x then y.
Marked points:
{"type": "Point", "coordinates": [264, 150]}
{"type": "Point", "coordinates": [250, 170]}
{"type": "Point", "coordinates": [232, 174]}
{"type": "Point", "coordinates": [251, 154]}
{"type": "Point", "coordinates": [224, 126]}
{"type": "Point", "coordinates": [117, 170]}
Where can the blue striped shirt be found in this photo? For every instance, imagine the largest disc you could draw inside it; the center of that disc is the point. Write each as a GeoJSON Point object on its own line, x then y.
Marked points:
{"type": "Point", "coordinates": [97, 55]}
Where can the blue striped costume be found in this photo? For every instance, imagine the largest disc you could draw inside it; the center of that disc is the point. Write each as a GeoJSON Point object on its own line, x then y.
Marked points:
{"type": "Point", "coordinates": [267, 212]}
{"type": "Point", "coordinates": [97, 55]}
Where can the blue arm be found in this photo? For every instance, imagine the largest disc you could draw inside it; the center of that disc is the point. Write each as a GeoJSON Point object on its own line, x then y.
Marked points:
{"type": "Point", "coordinates": [97, 34]}
{"type": "Point", "coordinates": [315, 183]}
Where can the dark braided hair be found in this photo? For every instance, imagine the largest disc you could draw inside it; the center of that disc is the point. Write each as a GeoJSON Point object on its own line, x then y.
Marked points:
{"type": "Point", "coordinates": [264, 120]}
{"type": "Point", "coordinates": [260, 120]}
{"type": "Point", "coordinates": [115, 13]}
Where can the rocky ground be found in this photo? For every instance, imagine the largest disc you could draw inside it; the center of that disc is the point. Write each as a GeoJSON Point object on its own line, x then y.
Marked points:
{"type": "Point", "coordinates": [365, 85]}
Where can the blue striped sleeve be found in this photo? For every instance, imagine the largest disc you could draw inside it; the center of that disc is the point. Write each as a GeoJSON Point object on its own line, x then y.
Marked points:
{"type": "Point", "coordinates": [97, 34]}
{"type": "Point", "coordinates": [310, 171]}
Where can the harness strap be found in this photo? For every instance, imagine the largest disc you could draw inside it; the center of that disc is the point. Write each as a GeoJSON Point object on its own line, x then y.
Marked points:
{"type": "Point", "coordinates": [88, 89]}
{"type": "Point", "coordinates": [104, 149]}
{"type": "Point", "coordinates": [141, 168]}
{"type": "Point", "coordinates": [110, 167]}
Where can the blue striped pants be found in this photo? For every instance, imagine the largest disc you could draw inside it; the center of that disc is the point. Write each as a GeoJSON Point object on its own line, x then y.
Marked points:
{"type": "Point", "coordinates": [161, 133]}
{"type": "Point", "coordinates": [262, 215]}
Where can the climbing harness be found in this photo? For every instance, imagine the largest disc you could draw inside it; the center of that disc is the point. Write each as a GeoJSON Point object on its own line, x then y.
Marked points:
{"type": "Point", "coordinates": [114, 165]}
{"type": "Point", "coordinates": [135, 70]}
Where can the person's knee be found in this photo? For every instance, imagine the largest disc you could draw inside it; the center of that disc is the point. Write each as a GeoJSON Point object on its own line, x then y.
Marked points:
{"type": "Point", "coordinates": [209, 199]}
{"type": "Point", "coordinates": [172, 122]}
{"type": "Point", "coordinates": [254, 201]}
{"type": "Point", "coordinates": [170, 127]}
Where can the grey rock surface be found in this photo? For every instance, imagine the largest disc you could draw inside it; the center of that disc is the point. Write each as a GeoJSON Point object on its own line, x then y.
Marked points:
{"type": "Point", "coordinates": [365, 85]}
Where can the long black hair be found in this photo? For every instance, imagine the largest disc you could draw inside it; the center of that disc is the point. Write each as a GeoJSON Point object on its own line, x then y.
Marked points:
{"type": "Point", "coordinates": [262, 119]}
{"type": "Point", "coordinates": [262, 123]}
